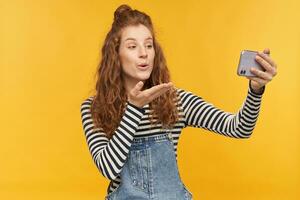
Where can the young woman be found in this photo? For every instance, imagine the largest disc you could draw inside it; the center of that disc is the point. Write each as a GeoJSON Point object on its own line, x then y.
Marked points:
{"type": "Point", "coordinates": [133, 123]}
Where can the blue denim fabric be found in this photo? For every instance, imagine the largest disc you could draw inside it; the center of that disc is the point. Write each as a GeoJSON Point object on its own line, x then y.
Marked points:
{"type": "Point", "coordinates": [151, 172]}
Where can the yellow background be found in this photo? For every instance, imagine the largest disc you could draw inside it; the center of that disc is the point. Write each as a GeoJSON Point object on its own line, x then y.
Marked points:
{"type": "Point", "coordinates": [48, 56]}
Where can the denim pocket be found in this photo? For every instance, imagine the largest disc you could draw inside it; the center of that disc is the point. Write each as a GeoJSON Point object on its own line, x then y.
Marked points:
{"type": "Point", "coordinates": [139, 168]}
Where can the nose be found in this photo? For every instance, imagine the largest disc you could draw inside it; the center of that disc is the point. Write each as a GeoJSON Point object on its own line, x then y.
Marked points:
{"type": "Point", "coordinates": [143, 53]}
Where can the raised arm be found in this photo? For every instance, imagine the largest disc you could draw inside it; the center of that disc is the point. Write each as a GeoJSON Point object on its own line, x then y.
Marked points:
{"type": "Point", "coordinates": [110, 155]}
{"type": "Point", "coordinates": [199, 113]}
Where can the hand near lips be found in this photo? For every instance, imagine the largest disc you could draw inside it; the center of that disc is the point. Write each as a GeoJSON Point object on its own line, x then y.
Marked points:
{"type": "Point", "coordinates": [262, 77]}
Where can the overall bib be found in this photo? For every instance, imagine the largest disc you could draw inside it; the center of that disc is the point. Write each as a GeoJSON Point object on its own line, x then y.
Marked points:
{"type": "Point", "coordinates": [150, 172]}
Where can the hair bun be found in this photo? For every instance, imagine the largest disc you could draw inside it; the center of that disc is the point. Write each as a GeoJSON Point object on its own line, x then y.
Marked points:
{"type": "Point", "coordinates": [121, 9]}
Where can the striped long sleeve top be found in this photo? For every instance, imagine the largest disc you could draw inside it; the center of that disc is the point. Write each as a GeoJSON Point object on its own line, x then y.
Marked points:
{"type": "Point", "coordinates": [110, 155]}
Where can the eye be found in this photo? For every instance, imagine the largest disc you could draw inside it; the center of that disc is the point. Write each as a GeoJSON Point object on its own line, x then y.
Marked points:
{"type": "Point", "coordinates": [131, 47]}
{"type": "Point", "coordinates": [149, 46]}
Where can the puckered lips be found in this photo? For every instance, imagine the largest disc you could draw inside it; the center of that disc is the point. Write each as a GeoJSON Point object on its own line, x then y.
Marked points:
{"type": "Point", "coordinates": [143, 66]}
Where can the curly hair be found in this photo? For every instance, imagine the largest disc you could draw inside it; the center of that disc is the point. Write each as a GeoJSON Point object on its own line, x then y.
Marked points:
{"type": "Point", "coordinates": [109, 103]}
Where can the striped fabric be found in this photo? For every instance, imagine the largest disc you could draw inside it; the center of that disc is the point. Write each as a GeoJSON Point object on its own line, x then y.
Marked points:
{"type": "Point", "coordinates": [110, 155]}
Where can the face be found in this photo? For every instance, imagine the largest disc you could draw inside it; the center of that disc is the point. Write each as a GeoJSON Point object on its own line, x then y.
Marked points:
{"type": "Point", "coordinates": [136, 53]}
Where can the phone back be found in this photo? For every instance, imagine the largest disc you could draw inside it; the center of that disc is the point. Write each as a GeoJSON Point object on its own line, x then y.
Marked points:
{"type": "Point", "coordinates": [247, 60]}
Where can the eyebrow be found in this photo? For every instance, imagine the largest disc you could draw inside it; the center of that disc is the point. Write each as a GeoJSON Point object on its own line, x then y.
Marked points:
{"type": "Point", "coordinates": [149, 38]}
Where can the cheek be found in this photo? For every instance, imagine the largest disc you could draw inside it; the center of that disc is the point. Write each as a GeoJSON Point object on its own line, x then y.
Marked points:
{"type": "Point", "coordinates": [152, 57]}
{"type": "Point", "coordinates": [127, 59]}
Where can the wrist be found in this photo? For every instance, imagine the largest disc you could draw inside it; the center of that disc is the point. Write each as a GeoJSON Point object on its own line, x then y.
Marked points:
{"type": "Point", "coordinates": [255, 90]}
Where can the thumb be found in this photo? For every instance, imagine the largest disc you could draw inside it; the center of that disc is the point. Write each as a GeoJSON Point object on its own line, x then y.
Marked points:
{"type": "Point", "coordinates": [267, 51]}
{"type": "Point", "coordinates": [138, 87]}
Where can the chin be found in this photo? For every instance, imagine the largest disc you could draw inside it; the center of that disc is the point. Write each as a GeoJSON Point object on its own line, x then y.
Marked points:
{"type": "Point", "coordinates": [144, 77]}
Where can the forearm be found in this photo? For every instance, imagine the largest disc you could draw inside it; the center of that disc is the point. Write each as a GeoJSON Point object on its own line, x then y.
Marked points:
{"type": "Point", "coordinates": [110, 155]}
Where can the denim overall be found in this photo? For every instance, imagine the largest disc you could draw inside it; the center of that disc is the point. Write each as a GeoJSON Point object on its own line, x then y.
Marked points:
{"type": "Point", "coordinates": [151, 172]}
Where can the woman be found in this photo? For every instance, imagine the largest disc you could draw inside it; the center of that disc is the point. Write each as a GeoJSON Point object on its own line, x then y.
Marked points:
{"type": "Point", "coordinates": [133, 123]}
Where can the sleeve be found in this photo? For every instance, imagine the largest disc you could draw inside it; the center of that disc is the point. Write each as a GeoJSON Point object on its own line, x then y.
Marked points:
{"type": "Point", "coordinates": [110, 155]}
{"type": "Point", "coordinates": [199, 113]}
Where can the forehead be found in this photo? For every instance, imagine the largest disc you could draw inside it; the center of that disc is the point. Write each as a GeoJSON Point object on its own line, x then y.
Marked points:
{"type": "Point", "coordinates": [139, 33]}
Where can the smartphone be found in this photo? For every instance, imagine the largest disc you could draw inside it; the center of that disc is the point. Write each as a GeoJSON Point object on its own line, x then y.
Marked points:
{"type": "Point", "coordinates": [247, 60]}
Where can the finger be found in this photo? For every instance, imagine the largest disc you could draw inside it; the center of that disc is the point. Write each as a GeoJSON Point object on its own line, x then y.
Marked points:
{"type": "Point", "coordinates": [272, 70]}
{"type": "Point", "coordinates": [137, 88]}
{"type": "Point", "coordinates": [154, 89]}
{"type": "Point", "coordinates": [159, 93]}
{"type": "Point", "coordinates": [157, 88]}
{"type": "Point", "coordinates": [268, 59]}
{"type": "Point", "coordinates": [259, 80]}
{"type": "Point", "coordinates": [266, 65]}
{"type": "Point", "coordinates": [261, 74]}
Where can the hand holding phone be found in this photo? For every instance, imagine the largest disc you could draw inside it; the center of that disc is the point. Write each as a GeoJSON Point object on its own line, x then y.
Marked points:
{"type": "Point", "coordinates": [247, 60]}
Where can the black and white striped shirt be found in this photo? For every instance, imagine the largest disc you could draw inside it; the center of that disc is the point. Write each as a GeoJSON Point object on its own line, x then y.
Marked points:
{"type": "Point", "coordinates": [110, 155]}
